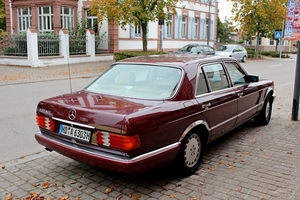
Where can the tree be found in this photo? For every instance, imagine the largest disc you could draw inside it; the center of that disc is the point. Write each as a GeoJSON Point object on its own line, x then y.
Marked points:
{"type": "Point", "coordinates": [259, 17]}
{"type": "Point", "coordinates": [2, 15]}
{"type": "Point", "coordinates": [224, 30]}
{"type": "Point", "coordinates": [133, 12]}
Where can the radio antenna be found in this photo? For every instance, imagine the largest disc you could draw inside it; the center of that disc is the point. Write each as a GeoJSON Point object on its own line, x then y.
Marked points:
{"type": "Point", "coordinates": [68, 57]}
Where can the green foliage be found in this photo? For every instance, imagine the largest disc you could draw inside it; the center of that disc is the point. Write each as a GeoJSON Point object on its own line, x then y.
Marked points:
{"type": "Point", "coordinates": [2, 15]}
{"type": "Point", "coordinates": [240, 42]}
{"type": "Point", "coordinates": [18, 46]}
{"type": "Point", "coordinates": [251, 54]}
{"type": "Point", "coordinates": [3, 35]}
{"type": "Point", "coordinates": [224, 31]}
{"type": "Point", "coordinates": [129, 54]}
{"type": "Point", "coordinates": [48, 44]}
{"type": "Point", "coordinates": [77, 40]}
{"type": "Point", "coordinates": [258, 17]}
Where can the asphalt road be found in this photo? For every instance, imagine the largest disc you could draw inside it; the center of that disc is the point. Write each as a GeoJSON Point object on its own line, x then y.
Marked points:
{"type": "Point", "coordinates": [18, 104]}
{"type": "Point", "coordinates": [282, 71]}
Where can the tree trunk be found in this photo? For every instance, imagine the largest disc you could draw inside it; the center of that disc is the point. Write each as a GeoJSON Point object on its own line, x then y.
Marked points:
{"type": "Point", "coordinates": [256, 46]}
{"type": "Point", "coordinates": [144, 35]}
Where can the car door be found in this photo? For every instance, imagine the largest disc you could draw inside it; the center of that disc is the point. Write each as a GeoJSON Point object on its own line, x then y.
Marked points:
{"type": "Point", "coordinates": [236, 53]}
{"type": "Point", "coordinates": [247, 93]}
{"type": "Point", "coordinates": [216, 99]}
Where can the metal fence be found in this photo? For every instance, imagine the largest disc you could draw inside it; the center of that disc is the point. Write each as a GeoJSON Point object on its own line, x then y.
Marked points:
{"type": "Point", "coordinates": [14, 45]}
{"type": "Point", "coordinates": [100, 40]}
{"type": "Point", "coordinates": [48, 44]}
{"type": "Point", "coordinates": [77, 44]}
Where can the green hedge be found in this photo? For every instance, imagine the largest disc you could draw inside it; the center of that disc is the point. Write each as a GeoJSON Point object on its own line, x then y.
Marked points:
{"type": "Point", "coordinates": [251, 54]}
{"type": "Point", "coordinates": [129, 54]}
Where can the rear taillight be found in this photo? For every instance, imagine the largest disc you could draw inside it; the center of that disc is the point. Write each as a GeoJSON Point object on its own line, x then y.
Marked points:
{"type": "Point", "coordinates": [45, 122]}
{"type": "Point", "coordinates": [117, 141]}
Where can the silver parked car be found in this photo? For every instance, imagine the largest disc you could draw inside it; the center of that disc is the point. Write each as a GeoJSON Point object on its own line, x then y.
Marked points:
{"type": "Point", "coordinates": [231, 50]}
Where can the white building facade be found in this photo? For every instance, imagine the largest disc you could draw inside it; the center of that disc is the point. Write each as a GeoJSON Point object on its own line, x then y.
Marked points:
{"type": "Point", "coordinates": [189, 25]}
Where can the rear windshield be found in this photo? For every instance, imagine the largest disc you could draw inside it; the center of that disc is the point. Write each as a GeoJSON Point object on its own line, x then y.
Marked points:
{"type": "Point", "coordinates": [138, 81]}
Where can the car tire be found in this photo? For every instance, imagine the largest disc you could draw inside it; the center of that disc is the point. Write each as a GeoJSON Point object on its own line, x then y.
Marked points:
{"type": "Point", "coordinates": [244, 59]}
{"type": "Point", "coordinates": [191, 153]}
{"type": "Point", "coordinates": [263, 118]}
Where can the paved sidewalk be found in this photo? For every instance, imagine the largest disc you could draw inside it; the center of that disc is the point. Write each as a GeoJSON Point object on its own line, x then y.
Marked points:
{"type": "Point", "coordinates": [259, 163]}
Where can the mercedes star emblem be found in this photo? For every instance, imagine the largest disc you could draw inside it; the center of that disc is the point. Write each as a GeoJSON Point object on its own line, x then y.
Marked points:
{"type": "Point", "coordinates": [72, 114]}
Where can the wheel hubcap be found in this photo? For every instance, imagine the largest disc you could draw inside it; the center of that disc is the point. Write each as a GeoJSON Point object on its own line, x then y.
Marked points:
{"type": "Point", "coordinates": [192, 150]}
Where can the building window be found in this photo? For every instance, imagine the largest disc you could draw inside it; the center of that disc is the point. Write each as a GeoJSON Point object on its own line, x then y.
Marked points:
{"type": "Point", "coordinates": [259, 41]}
{"type": "Point", "coordinates": [46, 19]}
{"type": "Point", "coordinates": [138, 30]}
{"type": "Point", "coordinates": [271, 42]}
{"type": "Point", "coordinates": [196, 28]}
{"type": "Point", "coordinates": [183, 27]}
{"type": "Point", "coordinates": [24, 19]}
{"type": "Point", "coordinates": [91, 21]}
{"type": "Point", "coordinates": [67, 17]}
{"type": "Point", "coordinates": [169, 26]}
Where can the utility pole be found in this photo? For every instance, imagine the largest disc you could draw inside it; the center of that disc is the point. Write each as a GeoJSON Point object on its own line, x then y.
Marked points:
{"type": "Point", "coordinates": [295, 108]}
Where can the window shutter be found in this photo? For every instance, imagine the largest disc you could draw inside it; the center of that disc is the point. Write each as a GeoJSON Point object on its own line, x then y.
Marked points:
{"type": "Point", "coordinates": [202, 29]}
{"type": "Point", "coordinates": [176, 27]}
{"type": "Point", "coordinates": [165, 30]}
{"type": "Point", "coordinates": [180, 26]}
{"type": "Point", "coordinates": [190, 25]}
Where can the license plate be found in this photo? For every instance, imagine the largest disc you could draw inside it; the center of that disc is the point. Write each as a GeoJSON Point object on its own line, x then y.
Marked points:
{"type": "Point", "coordinates": [77, 133]}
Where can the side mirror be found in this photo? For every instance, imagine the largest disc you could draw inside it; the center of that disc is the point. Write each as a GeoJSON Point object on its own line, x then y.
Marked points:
{"type": "Point", "coordinates": [251, 78]}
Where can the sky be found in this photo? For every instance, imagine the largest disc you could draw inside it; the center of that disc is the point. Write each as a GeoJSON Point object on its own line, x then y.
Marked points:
{"type": "Point", "coordinates": [224, 9]}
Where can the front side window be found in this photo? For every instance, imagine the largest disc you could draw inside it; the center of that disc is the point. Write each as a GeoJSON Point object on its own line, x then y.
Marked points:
{"type": "Point", "coordinates": [138, 81]}
{"type": "Point", "coordinates": [67, 17]}
{"type": "Point", "coordinates": [236, 73]}
{"type": "Point", "coordinates": [24, 19]}
{"type": "Point", "coordinates": [46, 19]}
{"type": "Point", "coordinates": [183, 27]}
{"type": "Point", "coordinates": [216, 76]}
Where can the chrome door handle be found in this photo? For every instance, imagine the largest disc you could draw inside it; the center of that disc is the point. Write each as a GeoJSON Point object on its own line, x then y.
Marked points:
{"type": "Point", "coordinates": [206, 106]}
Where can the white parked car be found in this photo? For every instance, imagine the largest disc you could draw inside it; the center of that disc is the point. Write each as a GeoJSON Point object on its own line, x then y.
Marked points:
{"type": "Point", "coordinates": [231, 50]}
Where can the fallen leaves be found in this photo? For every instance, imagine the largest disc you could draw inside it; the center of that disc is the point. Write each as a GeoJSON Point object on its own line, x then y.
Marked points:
{"type": "Point", "coordinates": [8, 197]}
{"type": "Point", "coordinates": [289, 152]}
{"type": "Point", "coordinates": [3, 167]}
{"type": "Point", "coordinates": [165, 188]}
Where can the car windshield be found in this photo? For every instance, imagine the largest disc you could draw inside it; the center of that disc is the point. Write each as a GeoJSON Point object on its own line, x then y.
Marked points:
{"type": "Point", "coordinates": [138, 81]}
{"type": "Point", "coordinates": [225, 48]}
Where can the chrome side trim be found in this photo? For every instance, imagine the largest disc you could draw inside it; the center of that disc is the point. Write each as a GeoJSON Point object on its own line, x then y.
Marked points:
{"type": "Point", "coordinates": [110, 156]}
{"type": "Point", "coordinates": [191, 126]}
{"type": "Point", "coordinates": [74, 123]}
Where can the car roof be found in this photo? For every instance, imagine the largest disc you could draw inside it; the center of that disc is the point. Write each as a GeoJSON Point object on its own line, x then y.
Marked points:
{"type": "Point", "coordinates": [231, 45]}
{"type": "Point", "coordinates": [180, 60]}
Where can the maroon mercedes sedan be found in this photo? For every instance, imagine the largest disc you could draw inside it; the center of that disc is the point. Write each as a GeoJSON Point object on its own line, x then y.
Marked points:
{"type": "Point", "coordinates": [144, 112]}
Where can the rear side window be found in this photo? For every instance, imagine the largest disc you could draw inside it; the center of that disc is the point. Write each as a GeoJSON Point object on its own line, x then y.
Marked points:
{"type": "Point", "coordinates": [236, 73]}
